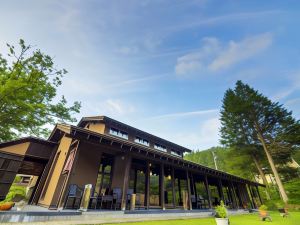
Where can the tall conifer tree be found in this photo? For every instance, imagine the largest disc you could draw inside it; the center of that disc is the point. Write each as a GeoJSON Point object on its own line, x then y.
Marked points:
{"type": "Point", "coordinates": [250, 119]}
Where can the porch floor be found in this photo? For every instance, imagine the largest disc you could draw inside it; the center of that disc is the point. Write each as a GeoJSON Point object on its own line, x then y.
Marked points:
{"type": "Point", "coordinates": [39, 215]}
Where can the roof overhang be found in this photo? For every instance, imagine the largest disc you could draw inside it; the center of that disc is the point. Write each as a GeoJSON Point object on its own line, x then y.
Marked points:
{"type": "Point", "coordinates": [28, 147]}
{"type": "Point", "coordinates": [127, 146]}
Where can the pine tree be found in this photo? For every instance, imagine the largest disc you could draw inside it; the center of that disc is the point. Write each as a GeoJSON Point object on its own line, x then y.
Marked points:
{"type": "Point", "coordinates": [250, 119]}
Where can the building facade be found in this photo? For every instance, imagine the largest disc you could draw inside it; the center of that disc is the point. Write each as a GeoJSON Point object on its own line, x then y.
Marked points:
{"type": "Point", "coordinates": [110, 156]}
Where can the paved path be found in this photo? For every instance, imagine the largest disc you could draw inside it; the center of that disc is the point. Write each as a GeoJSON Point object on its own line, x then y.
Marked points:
{"type": "Point", "coordinates": [101, 217]}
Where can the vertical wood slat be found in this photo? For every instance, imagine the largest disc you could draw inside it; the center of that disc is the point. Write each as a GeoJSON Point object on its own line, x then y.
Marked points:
{"type": "Point", "coordinates": [62, 194]}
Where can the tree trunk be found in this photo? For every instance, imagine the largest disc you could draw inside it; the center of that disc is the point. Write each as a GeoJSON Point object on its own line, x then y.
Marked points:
{"type": "Point", "coordinates": [274, 170]}
{"type": "Point", "coordinates": [262, 175]}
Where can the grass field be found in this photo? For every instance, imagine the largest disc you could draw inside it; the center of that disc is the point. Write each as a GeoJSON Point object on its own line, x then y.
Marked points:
{"type": "Point", "coordinates": [252, 219]}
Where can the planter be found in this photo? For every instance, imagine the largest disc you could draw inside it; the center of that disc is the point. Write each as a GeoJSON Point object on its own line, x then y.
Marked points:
{"type": "Point", "coordinates": [222, 221]}
{"type": "Point", "coordinates": [6, 206]}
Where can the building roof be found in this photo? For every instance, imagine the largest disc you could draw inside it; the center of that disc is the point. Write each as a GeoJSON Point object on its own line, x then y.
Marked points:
{"type": "Point", "coordinates": [26, 139]}
{"type": "Point", "coordinates": [125, 145]}
{"type": "Point", "coordinates": [106, 119]}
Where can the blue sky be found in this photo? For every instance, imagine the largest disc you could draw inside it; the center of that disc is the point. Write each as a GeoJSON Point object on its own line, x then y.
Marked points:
{"type": "Point", "coordinates": [163, 65]}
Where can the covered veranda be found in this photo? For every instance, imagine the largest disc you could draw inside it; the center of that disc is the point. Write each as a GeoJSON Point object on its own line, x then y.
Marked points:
{"type": "Point", "coordinates": [118, 170]}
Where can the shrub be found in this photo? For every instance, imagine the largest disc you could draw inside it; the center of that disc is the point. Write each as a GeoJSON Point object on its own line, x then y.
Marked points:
{"type": "Point", "coordinates": [263, 208]}
{"type": "Point", "coordinates": [15, 191]}
{"type": "Point", "coordinates": [221, 211]}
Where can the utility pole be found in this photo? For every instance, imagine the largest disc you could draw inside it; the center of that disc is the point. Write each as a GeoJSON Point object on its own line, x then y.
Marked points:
{"type": "Point", "coordinates": [215, 159]}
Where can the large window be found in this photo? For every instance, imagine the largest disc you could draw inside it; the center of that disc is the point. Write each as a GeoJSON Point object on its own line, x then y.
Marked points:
{"type": "Point", "coordinates": [137, 181]}
{"type": "Point", "coordinates": [176, 153]}
{"type": "Point", "coordinates": [180, 187]}
{"type": "Point", "coordinates": [154, 200]}
{"type": "Point", "coordinates": [168, 188]}
{"type": "Point", "coordinates": [118, 133]}
{"type": "Point", "coordinates": [104, 175]}
{"type": "Point", "coordinates": [160, 147]}
{"type": "Point", "coordinates": [141, 141]}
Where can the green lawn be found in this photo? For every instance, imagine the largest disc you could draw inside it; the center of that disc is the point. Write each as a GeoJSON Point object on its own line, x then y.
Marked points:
{"type": "Point", "coordinates": [252, 219]}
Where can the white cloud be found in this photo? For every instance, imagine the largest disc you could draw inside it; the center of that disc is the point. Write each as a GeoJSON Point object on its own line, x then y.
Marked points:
{"type": "Point", "coordinates": [128, 50]}
{"type": "Point", "coordinates": [239, 51]}
{"type": "Point", "coordinates": [202, 136]}
{"type": "Point", "coordinates": [117, 107]}
{"type": "Point", "coordinates": [213, 56]}
{"type": "Point", "coordinates": [209, 132]}
{"type": "Point", "coordinates": [294, 86]}
{"type": "Point", "coordinates": [196, 60]}
{"type": "Point", "coordinates": [185, 114]}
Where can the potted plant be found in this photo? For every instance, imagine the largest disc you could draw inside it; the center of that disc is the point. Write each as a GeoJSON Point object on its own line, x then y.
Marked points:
{"type": "Point", "coordinates": [221, 214]}
{"type": "Point", "coordinates": [5, 206]}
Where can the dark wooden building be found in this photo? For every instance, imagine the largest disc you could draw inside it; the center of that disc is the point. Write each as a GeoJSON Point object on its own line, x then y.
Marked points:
{"type": "Point", "coordinates": [119, 161]}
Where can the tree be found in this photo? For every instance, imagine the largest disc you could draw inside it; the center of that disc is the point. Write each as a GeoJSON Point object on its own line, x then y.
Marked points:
{"type": "Point", "coordinates": [29, 82]}
{"type": "Point", "coordinates": [249, 118]}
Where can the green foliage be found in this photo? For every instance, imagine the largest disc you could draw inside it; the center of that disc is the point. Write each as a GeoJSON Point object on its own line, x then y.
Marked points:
{"type": "Point", "coordinates": [228, 160]}
{"type": "Point", "coordinates": [247, 117]}
{"type": "Point", "coordinates": [293, 190]}
{"type": "Point", "coordinates": [221, 211]}
{"type": "Point", "coordinates": [296, 155]}
{"type": "Point", "coordinates": [17, 179]}
{"type": "Point", "coordinates": [29, 82]}
{"type": "Point", "coordinates": [263, 208]}
{"type": "Point", "coordinates": [15, 191]}
{"type": "Point", "coordinates": [274, 204]}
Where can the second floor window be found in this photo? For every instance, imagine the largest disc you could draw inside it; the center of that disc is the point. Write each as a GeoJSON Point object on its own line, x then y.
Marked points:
{"type": "Point", "coordinates": [141, 141]}
{"type": "Point", "coordinates": [160, 147]}
{"type": "Point", "coordinates": [175, 153]}
{"type": "Point", "coordinates": [118, 133]}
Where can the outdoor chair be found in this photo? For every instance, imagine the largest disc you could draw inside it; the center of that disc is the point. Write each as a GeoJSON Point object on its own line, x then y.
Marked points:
{"type": "Point", "coordinates": [117, 198]}
{"type": "Point", "coordinates": [264, 215]}
{"type": "Point", "coordinates": [283, 212]}
{"type": "Point", "coordinates": [200, 202]}
{"type": "Point", "coordinates": [94, 197]}
{"type": "Point", "coordinates": [193, 200]}
{"type": "Point", "coordinates": [107, 200]}
{"type": "Point", "coordinates": [75, 194]}
{"type": "Point", "coordinates": [128, 197]}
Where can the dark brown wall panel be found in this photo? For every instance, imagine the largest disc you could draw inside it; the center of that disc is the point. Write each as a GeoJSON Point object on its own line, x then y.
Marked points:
{"type": "Point", "coordinates": [87, 165]}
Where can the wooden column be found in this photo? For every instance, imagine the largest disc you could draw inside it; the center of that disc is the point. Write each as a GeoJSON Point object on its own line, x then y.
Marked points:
{"type": "Point", "coordinates": [231, 195]}
{"type": "Point", "coordinates": [208, 192]}
{"type": "Point", "coordinates": [247, 195]}
{"type": "Point", "coordinates": [173, 187]}
{"type": "Point", "coordinates": [221, 190]}
{"type": "Point", "coordinates": [239, 194]}
{"type": "Point", "coordinates": [147, 185]}
{"type": "Point", "coordinates": [162, 186]}
{"type": "Point", "coordinates": [252, 197]}
{"type": "Point", "coordinates": [189, 190]}
{"type": "Point", "coordinates": [261, 202]}
{"type": "Point", "coordinates": [126, 178]}
{"type": "Point", "coordinates": [236, 204]}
